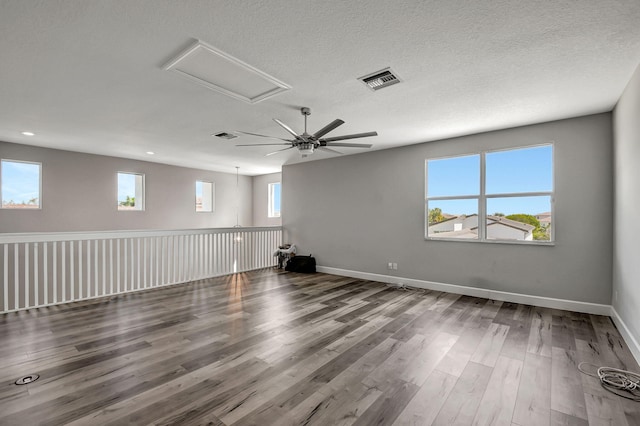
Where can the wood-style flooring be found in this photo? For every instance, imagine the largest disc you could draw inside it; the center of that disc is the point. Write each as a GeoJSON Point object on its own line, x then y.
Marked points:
{"type": "Point", "coordinates": [275, 348]}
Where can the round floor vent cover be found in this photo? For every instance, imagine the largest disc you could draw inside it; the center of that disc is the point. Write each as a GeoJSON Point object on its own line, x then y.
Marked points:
{"type": "Point", "coordinates": [27, 379]}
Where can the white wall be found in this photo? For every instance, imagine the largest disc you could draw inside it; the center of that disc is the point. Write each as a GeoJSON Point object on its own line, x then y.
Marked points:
{"type": "Point", "coordinates": [360, 212]}
{"type": "Point", "coordinates": [261, 200]}
{"type": "Point", "coordinates": [626, 249]}
{"type": "Point", "coordinates": [79, 194]}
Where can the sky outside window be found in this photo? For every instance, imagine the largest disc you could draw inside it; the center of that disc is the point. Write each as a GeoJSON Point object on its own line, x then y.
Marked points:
{"type": "Point", "coordinates": [511, 171]}
{"type": "Point", "coordinates": [520, 170]}
{"type": "Point", "coordinates": [454, 176]}
{"type": "Point", "coordinates": [516, 205]}
{"type": "Point", "coordinates": [204, 196]}
{"type": "Point", "coordinates": [130, 191]}
{"type": "Point", "coordinates": [20, 184]}
{"type": "Point", "coordinates": [275, 190]}
{"type": "Point", "coordinates": [456, 207]}
{"type": "Point", "coordinates": [276, 198]}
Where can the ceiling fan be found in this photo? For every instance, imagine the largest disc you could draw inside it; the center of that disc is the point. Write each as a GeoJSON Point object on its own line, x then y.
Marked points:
{"type": "Point", "coordinates": [307, 144]}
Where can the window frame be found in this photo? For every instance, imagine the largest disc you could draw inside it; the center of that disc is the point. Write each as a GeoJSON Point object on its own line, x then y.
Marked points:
{"type": "Point", "coordinates": [213, 196]}
{"type": "Point", "coordinates": [143, 191]}
{"type": "Point", "coordinates": [271, 214]}
{"type": "Point", "coordinates": [482, 198]}
{"type": "Point", "coordinates": [40, 189]}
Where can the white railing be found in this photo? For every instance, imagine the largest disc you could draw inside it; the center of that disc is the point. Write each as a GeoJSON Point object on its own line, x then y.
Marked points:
{"type": "Point", "coordinates": [39, 269]}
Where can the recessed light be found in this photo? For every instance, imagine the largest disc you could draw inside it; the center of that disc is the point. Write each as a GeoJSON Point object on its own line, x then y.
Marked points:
{"type": "Point", "coordinates": [28, 133]}
{"type": "Point", "coordinates": [150, 152]}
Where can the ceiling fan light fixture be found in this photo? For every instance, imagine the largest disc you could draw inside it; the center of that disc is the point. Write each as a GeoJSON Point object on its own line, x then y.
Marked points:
{"type": "Point", "coordinates": [306, 148]}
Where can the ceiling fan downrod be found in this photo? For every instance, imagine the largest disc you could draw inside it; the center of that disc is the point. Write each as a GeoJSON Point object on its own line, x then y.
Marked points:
{"type": "Point", "coordinates": [306, 112]}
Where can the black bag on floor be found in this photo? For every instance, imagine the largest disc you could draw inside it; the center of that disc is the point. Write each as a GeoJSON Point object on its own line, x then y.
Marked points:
{"type": "Point", "coordinates": [304, 264]}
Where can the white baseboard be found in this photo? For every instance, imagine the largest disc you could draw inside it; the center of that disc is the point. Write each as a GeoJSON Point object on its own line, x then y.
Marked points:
{"type": "Point", "coordinates": [545, 302]}
{"type": "Point", "coordinates": [631, 341]}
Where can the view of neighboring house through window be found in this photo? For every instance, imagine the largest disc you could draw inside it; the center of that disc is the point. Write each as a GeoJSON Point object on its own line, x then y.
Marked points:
{"type": "Point", "coordinates": [20, 184]}
{"type": "Point", "coordinates": [274, 199]}
{"type": "Point", "coordinates": [130, 191]}
{"type": "Point", "coordinates": [453, 193]}
{"type": "Point", "coordinates": [510, 191]}
{"type": "Point", "coordinates": [204, 196]}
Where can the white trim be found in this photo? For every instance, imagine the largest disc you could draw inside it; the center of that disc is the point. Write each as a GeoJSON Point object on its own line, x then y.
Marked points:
{"type": "Point", "coordinates": [544, 302]}
{"type": "Point", "coordinates": [482, 201]}
{"type": "Point", "coordinates": [628, 338]}
{"type": "Point", "coordinates": [30, 237]}
{"type": "Point", "coordinates": [478, 241]}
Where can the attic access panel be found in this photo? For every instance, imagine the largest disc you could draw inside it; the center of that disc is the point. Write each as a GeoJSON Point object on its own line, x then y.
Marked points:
{"type": "Point", "coordinates": [223, 73]}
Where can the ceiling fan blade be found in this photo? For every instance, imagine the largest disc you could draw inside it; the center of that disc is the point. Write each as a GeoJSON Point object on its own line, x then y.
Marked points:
{"type": "Point", "coordinates": [259, 135]}
{"type": "Point", "coordinates": [280, 150]}
{"type": "Point", "coordinates": [354, 136]}
{"type": "Point", "coordinates": [288, 129]}
{"type": "Point", "coordinates": [324, 148]}
{"type": "Point", "coordinates": [329, 127]}
{"type": "Point", "coordinates": [265, 144]}
{"type": "Point", "coordinates": [349, 145]}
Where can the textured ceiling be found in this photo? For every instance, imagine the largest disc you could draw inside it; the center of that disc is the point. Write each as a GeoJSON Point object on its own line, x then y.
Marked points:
{"type": "Point", "coordinates": [87, 75]}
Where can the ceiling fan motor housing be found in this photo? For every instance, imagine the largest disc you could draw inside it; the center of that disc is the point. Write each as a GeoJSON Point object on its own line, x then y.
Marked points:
{"type": "Point", "coordinates": [306, 148]}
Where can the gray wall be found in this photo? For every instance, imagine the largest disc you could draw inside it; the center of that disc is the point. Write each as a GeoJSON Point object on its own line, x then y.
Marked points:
{"type": "Point", "coordinates": [362, 211]}
{"type": "Point", "coordinates": [261, 200]}
{"type": "Point", "coordinates": [79, 194]}
{"type": "Point", "coordinates": [626, 250]}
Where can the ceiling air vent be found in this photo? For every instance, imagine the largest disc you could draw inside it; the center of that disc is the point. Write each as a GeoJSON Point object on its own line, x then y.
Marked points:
{"type": "Point", "coordinates": [380, 79]}
{"type": "Point", "coordinates": [224, 135]}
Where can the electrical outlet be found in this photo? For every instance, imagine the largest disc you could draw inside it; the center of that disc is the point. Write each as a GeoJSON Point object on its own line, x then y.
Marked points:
{"type": "Point", "coordinates": [390, 265]}
{"type": "Point", "coordinates": [395, 266]}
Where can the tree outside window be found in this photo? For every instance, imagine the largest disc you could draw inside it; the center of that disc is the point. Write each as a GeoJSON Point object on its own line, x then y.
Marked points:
{"type": "Point", "coordinates": [130, 191]}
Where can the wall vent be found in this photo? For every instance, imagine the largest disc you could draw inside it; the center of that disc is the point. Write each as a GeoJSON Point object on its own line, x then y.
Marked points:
{"type": "Point", "coordinates": [224, 135]}
{"type": "Point", "coordinates": [380, 79]}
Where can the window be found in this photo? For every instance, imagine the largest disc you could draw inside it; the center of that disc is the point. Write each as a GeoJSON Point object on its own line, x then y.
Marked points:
{"type": "Point", "coordinates": [274, 199]}
{"type": "Point", "coordinates": [20, 184]}
{"type": "Point", "coordinates": [509, 191]}
{"type": "Point", "coordinates": [204, 196]}
{"type": "Point", "coordinates": [130, 191]}
{"type": "Point", "coordinates": [452, 197]}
